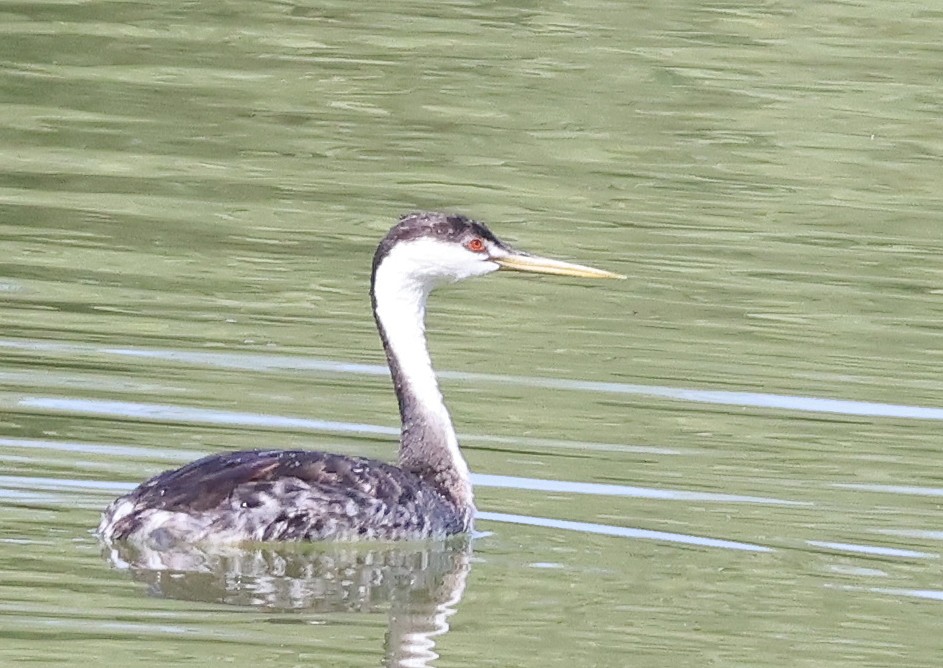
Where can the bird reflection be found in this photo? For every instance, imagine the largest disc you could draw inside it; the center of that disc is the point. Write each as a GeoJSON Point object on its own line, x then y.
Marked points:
{"type": "Point", "coordinates": [419, 585]}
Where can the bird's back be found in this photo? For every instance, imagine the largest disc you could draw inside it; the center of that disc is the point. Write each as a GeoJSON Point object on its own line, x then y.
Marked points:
{"type": "Point", "coordinates": [261, 495]}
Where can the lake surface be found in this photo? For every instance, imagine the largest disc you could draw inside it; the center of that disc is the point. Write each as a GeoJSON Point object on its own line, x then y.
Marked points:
{"type": "Point", "coordinates": [732, 458]}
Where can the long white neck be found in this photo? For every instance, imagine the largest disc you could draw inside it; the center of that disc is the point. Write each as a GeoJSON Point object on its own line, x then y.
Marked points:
{"type": "Point", "coordinates": [429, 446]}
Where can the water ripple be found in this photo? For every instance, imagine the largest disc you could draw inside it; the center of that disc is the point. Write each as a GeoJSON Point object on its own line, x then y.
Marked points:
{"type": "Point", "coordinates": [622, 532]}
{"type": "Point", "coordinates": [183, 414]}
{"type": "Point", "coordinates": [911, 490]}
{"type": "Point", "coordinates": [541, 485]}
{"type": "Point", "coordinates": [927, 594]}
{"type": "Point", "coordinates": [873, 550]}
{"type": "Point", "coordinates": [717, 397]}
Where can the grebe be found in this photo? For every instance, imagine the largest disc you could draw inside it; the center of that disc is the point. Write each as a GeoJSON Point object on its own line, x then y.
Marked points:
{"type": "Point", "coordinates": [299, 495]}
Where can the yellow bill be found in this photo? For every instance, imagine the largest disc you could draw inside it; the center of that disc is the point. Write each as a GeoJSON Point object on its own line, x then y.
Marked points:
{"type": "Point", "coordinates": [545, 265]}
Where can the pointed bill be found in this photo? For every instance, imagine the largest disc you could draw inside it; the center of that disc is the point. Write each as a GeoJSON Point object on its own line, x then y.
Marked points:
{"type": "Point", "coordinates": [545, 265]}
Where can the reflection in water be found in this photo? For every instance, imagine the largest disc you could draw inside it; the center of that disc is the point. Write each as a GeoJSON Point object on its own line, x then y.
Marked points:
{"type": "Point", "coordinates": [420, 584]}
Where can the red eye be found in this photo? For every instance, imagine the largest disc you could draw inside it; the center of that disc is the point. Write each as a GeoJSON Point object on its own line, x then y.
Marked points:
{"type": "Point", "coordinates": [475, 245]}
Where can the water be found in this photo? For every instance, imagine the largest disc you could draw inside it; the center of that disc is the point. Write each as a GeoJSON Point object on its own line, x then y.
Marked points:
{"type": "Point", "coordinates": [730, 458]}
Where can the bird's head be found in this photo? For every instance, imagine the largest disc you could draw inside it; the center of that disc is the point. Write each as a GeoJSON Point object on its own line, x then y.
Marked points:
{"type": "Point", "coordinates": [429, 249]}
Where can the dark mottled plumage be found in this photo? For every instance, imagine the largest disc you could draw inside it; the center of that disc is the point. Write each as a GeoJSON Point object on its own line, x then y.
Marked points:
{"type": "Point", "coordinates": [285, 495]}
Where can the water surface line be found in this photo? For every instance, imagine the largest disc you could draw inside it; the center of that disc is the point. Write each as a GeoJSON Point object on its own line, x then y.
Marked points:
{"type": "Point", "coordinates": [743, 399]}
{"type": "Point", "coordinates": [621, 532]}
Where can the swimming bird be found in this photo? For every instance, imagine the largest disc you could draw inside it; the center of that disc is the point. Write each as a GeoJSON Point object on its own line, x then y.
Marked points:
{"type": "Point", "coordinates": [300, 495]}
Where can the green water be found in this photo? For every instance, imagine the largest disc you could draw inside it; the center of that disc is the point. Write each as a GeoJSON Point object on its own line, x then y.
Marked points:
{"type": "Point", "coordinates": [190, 196]}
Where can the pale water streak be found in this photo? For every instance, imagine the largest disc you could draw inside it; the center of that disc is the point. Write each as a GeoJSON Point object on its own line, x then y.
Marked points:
{"type": "Point", "coordinates": [168, 413]}
{"type": "Point", "coordinates": [50, 445]}
{"type": "Point", "coordinates": [927, 594]}
{"type": "Point", "coordinates": [891, 489]}
{"type": "Point", "coordinates": [873, 550]}
{"type": "Point", "coordinates": [925, 534]}
{"type": "Point", "coordinates": [717, 397]}
{"type": "Point", "coordinates": [623, 532]}
{"type": "Point", "coordinates": [562, 486]}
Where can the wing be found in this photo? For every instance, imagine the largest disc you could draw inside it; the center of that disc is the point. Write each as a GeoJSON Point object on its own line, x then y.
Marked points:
{"type": "Point", "coordinates": [281, 495]}
{"type": "Point", "coordinates": [206, 483]}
